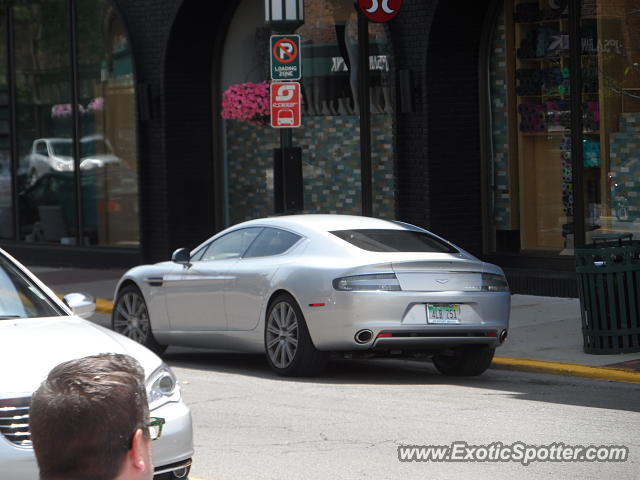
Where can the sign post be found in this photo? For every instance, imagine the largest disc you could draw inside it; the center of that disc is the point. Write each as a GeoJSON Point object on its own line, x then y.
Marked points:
{"type": "Point", "coordinates": [284, 51]}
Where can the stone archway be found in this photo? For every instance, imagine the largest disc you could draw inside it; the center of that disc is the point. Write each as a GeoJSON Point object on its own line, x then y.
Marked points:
{"type": "Point", "coordinates": [189, 119]}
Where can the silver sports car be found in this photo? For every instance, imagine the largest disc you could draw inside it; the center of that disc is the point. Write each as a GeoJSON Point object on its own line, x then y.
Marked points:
{"type": "Point", "coordinates": [300, 287]}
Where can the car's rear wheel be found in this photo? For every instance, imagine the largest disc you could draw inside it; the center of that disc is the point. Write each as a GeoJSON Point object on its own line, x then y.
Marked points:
{"type": "Point", "coordinates": [290, 351]}
{"type": "Point", "coordinates": [130, 317]}
{"type": "Point", "coordinates": [465, 361]}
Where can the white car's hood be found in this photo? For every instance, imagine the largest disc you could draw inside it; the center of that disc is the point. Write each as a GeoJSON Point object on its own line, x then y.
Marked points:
{"type": "Point", "coordinates": [31, 347]}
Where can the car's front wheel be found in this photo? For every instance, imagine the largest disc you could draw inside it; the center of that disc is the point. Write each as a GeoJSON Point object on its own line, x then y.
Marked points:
{"type": "Point", "coordinates": [130, 317]}
{"type": "Point", "coordinates": [465, 361]}
{"type": "Point", "coordinates": [290, 351]}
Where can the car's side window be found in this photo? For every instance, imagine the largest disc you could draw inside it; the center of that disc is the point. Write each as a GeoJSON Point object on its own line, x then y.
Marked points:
{"type": "Point", "coordinates": [198, 255]}
{"type": "Point", "coordinates": [41, 148]}
{"type": "Point", "coordinates": [272, 241]}
{"type": "Point", "coordinates": [231, 245]}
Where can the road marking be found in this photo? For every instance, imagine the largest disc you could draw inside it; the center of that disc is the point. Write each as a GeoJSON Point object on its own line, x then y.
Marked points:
{"type": "Point", "coordinates": [510, 363]}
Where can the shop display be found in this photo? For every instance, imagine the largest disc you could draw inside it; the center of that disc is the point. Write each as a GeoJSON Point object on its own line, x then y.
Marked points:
{"type": "Point", "coordinates": [625, 168]}
{"type": "Point", "coordinates": [537, 76]}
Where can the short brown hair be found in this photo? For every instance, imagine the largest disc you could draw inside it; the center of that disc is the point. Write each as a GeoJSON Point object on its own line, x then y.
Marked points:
{"type": "Point", "coordinates": [84, 415]}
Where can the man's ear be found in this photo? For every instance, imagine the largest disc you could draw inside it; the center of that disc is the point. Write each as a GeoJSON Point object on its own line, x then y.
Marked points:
{"type": "Point", "coordinates": [139, 457]}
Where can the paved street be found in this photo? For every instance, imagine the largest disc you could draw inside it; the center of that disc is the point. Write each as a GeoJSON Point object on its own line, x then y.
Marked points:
{"type": "Point", "coordinates": [348, 423]}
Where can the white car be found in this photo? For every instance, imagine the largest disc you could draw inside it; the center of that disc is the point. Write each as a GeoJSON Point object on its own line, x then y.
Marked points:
{"type": "Point", "coordinates": [38, 332]}
{"type": "Point", "coordinates": [300, 287]}
{"type": "Point", "coordinates": [56, 155]}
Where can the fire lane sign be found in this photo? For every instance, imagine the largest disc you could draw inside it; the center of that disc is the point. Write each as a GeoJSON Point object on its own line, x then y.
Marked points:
{"type": "Point", "coordinates": [285, 57]}
{"type": "Point", "coordinates": [285, 105]}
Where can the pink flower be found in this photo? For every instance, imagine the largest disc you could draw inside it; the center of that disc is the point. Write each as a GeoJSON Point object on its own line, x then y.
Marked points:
{"type": "Point", "coordinates": [96, 105]}
{"type": "Point", "coordinates": [247, 102]}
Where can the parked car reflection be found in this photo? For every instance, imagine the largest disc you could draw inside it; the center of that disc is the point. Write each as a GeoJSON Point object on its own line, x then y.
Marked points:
{"type": "Point", "coordinates": [56, 155]}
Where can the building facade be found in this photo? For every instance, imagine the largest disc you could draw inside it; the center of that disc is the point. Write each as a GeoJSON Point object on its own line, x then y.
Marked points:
{"type": "Point", "coordinates": [131, 128]}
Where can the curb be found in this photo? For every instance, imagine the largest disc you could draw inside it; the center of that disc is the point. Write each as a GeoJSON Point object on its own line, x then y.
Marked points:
{"type": "Point", "coordinates": [566, 369]}
{"type": "Point", "coordinates": [104, 306]}
{"type": "Point", "coordinates": [517, 364]}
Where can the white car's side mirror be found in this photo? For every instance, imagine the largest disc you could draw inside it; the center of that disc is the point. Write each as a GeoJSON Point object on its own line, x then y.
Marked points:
{"type": "Point", "coordinates": [81, 304]}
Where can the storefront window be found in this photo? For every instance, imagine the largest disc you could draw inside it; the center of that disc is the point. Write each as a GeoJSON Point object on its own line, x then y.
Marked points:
{"type": "Point", "coordinates": [533, 182]}
{"type": "Point", "coordinates": [108, 156]}
{"type": "Point", "coordinates": [330, 132]}
{"type": "Point", "coordinates": [44, 119]}
{"type": "Point", "coordinates": [611, 111]}
{"type": "Point", "coordinates": [46, 196]}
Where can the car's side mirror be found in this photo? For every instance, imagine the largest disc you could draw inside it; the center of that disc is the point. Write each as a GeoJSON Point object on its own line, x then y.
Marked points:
{"type": "Point", "coordinates": [81, 304]}
{"type": "Point", "coordinates": [181, 256]}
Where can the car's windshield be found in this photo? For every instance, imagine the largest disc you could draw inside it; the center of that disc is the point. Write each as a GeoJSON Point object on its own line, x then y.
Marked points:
{"type": "Point", "coordinates": [20, 297]}
{"type": "Point", "coordinates": [381, 240]}
{"type": "Point", "coordinates": [62, 148]}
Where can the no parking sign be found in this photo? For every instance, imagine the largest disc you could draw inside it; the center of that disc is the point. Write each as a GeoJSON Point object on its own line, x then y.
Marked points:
{"type": "Point", "coordinates": [285, 57]}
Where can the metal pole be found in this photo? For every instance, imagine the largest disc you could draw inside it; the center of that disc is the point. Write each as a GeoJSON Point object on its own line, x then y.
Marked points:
{"type": "Point", "coordinates": [13, 123]}
{"type": "Point", "coordinates": [365, 119]}
{"type": "Point", "coordinates": [76, 120]}
{"type": "Point", "coordinates": [575, 84]}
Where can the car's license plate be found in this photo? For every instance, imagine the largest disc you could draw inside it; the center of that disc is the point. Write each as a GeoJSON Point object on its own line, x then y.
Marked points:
{"type": "Point", "coordinates": [443, 313]}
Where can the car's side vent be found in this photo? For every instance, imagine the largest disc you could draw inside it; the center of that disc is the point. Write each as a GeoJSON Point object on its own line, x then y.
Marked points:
{"type": "Point", "coordinates": [14, 420]}
{"type": "Point", "coordinates": [154, 281]}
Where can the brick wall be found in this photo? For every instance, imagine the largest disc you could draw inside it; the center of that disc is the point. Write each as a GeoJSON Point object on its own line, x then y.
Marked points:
{"type": "Point", "coordinates": [174, 46]}
{"type": "Point", "coordinates": [410, 38]}
{"type": "Point", "coordinates": [453, 123]}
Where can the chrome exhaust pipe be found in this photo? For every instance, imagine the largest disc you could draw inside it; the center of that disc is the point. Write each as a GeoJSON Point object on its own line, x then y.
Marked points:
{"type": "Point", "coordinates": [363, 336]}
{"type": "Point", "coordinates": [503, 336]}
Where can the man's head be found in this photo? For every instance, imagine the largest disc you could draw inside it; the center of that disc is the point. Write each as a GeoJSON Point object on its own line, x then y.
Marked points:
{"type": "Point", "coordinates": [88, 420]}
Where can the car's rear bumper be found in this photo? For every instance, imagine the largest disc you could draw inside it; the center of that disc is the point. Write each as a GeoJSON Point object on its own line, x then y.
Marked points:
{"type": "Point", "coordinates": [484, 316]}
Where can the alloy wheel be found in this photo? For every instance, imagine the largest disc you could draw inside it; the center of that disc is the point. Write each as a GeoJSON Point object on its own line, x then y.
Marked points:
{"type": "Point", "coordinates": [131, 318]}
{"type": "Point", "coordinates": [282, 335]}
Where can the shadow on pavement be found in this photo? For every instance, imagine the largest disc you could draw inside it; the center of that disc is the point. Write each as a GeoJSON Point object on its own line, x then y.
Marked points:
{"type": "Point", "coordinates": [516, 385]}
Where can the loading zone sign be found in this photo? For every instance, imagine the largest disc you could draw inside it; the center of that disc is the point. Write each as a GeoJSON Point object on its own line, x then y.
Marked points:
{"type": "Point", "coordinates": [285, 105]}
{"type": "Point", "coordinates": [285, 57]}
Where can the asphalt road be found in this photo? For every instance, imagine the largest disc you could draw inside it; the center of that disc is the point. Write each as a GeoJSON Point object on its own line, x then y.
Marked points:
{"type": "Point", "coordinates": [348, 423]}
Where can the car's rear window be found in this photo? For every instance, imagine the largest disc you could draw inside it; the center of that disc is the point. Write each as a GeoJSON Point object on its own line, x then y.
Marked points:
{"type": "Point", "coordinates": [380, 240]}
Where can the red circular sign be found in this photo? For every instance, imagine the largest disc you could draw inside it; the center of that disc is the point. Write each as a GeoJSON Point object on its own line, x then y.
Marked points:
{"type": "Point", "coordinates": [380, 11]}
{"type": "Point", "coordinates": [285, 50]}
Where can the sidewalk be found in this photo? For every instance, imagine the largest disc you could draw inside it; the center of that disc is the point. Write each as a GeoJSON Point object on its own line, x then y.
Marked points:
{"type": "Point", "coordinates": [544, 335]}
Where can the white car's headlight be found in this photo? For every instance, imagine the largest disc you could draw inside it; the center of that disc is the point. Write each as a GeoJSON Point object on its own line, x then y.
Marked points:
{"type": "Point", "coordinates": [372, 282]}
{"type": "Point", "coordinates": [62, 166]}
{"type": "Point", "coordinates": [162, 387]}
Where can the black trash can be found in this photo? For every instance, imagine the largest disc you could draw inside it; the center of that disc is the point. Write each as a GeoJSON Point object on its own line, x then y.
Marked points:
{"type": "Point", "coordinates": [609, 288]}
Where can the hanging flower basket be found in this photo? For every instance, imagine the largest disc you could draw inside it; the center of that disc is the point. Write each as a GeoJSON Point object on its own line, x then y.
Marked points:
{"type": "Point", "coordinates": [247, 102]}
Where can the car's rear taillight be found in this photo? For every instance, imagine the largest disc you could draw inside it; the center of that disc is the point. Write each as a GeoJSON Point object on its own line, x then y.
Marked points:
{"type": "Point", "coordinates": [372, 282]}
{"type": "Point", "coordinates": [492, 282]}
